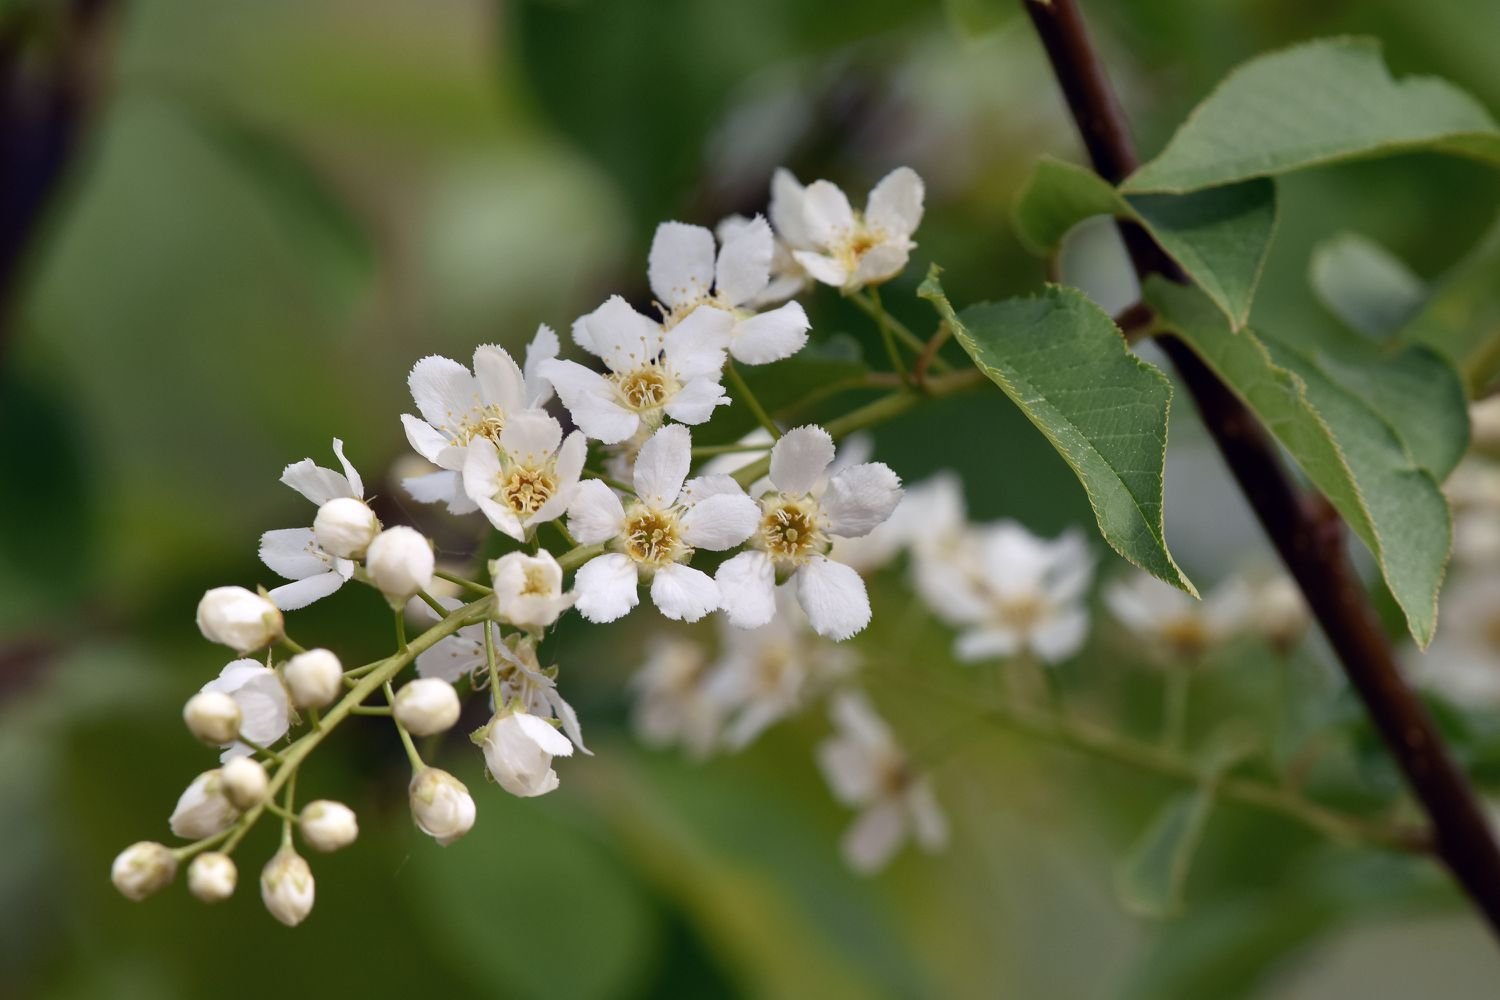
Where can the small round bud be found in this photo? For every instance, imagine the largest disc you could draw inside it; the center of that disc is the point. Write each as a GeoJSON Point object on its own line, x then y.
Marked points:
{"type": "Point", "coordinates": [441, 805]}
{"type": "Point", "coordinates": [328, 826]}
{"type": "Point", "coordinates": [245, 782]}
{"type": "Point", "coordinates": [528, 589]}
{"type": "Point", "coordinates": [427, 706]}
{"type": "Point", "coordinates": [345, 527]}
{"type": "Point", "coordinates": [238, 618]}
{"type": "Point", "coordinates": [314, 678]}
{"type": "Point", "coordinates": [400, 563]}
{"type": "Point", "coordinates": [213, 717]}
{"type": "Point", "coordinates": [286, 887]}
{"type": "Point", "coordinates": [212, 877]}
{"type": "Point", "coordinates": [204, 808]}
{"type": "Point", "coordinates": [142, 869]}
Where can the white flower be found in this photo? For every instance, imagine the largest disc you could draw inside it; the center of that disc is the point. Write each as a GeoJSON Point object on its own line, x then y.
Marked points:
{"type": "Point", "coordinates": [455, 656]}
{"type": "Point", "coordinates": [766, 674]}
{"type": "Point", "coordinates": [519, 747]}
{"type": "Point", "coordinates": [238, 618]}
{"type": "Point", "coordinates": [212, 716]}
{"type": "Point", "coordinates": [672, 702]}
{"type": "Point", "coordinates": [296, 554]}
{"type": "Point", "coordinates": [788, 278]}
{"type": "Point", "coordinates": [203, 809]}
{"type": "Point", "coordinates": [797, 518]}
{"type": "Point", "coordinates": [684, 276]}
{"type": "Point", "coordinates": [656, 535]}
{"type": "Point", "coordinates": [867, 771]}
{"type": "Point", "coordinates": [441, 805]}
{"type": "Point", "coordinates": [460, 407]}
{"type": "Point", "coordinates": [212, 877]}
{"type": "Point", "coordinates": [1463, 662]}
{"type": "Point", "coordinates": [286, 887]}
{"type": "Point", "coordinates": [400, 563]}
{"type": "Point", "coordinates": [327, 825]}
{"type": "Point", "coordinates": [143, 868]}
{"type": "Point", "coordinates": [1028, 596]}
{"type": "Point", "coordinates": [850, 250]}
{"type": "Point", "coordinates": [652, 371]}
{"type": "Point", "coordinates": [1278, 611]}
{"type": "Point", "coordinates": [427, 706]}
{"type": "Point", "coordinates": [1174, 626]}
{"type": "Point", "coordinates": [529, 476]}
{"type": "Point", "coordinates": [244, 782]}
{"type": "Point", "coordinates": [344, 527]}
{"type": "Point", "coordinates": [265, 712]}
{"type": "Point", "coordinates": [526, 686]}
{"type": "Point", "coordinates": [1474, 492]}
{"type": "Point", "coordinates": [528, 589]}
{"type": "Point", "coordinates": [314, 678]}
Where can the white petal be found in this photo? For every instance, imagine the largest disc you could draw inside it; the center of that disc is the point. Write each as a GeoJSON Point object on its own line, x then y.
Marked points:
{"type": "Point", "coordinates": [745, 262]}
{"type": "Point", "coordinates": [700, 488]}
{"type": "Point", "coordinates": [452, 658]}
{"type": "Point", "coordinates": [503, 518]}
{"type": "Point", "coordinates": [849, 769]}
{"type": "Point", "coordinates": [823, 268]}
{"type": "Point", "coordinates": [293, 553]}
{"type": "Point", "coordinates": [683, 593]}
{"type": "Point", "coordinates": [545, 735]}
{"type": "Point", "coordinates": [930, 824]}
{"type": "Point", "coordinates": [787, 194]}
{"type": "Point", "coordinates": [424, 438]}
{"type": "Point", "coordinates": [993, 643]}
{"type": "Point", "coordinates": [291, 596]}
{"type": "Point", "coordinates": [595, 514]}
{"type": "Point", "coordinates": [606, 587]}
{"type": "Point", "coordinates": [318, 484]}
{"type": "Point", "coordinates": [499, 378]}
{"type": "Point", "coordinates": [530, 436]}
{"type": "Point", "coordinates": [873, 840]}
{"type": "Point", "coordinates": [854, 716]}
{"type": "Point", "coordinates": [1062, 636]}
{"type": "Point", "coordinates": [747, 589]}
{"type": "Point", "coordinates": [543, 347]}
{"type": "Point", "coordinates": [681, 264]}
{"type": "Point", "coordinates": [695, 402]}
{"type": "Point", "coordinates": [662, 466]}
{"type": "Point", "coordinates": [481, 471]}
{"type": "Point", "coordinates": [895, 206]}
{"type": "Point", "coordinates": [861, 497]}
{"type": "Point", "coordinates": [264, 708]}
{"type": "Point", "coordinates": [435, 487]}
{"type": "Point", "coordinates": [621, 336]}
{"type": "Point", "coordinates": [568, 466]}
{"type": "Point", "coordinates": [720, 522]}
{"type": "Point", "coordinates": [444, 390]}
{"type": "Point", "coordinates": [695, 347]}
{"type": "Point", "coordinates": [770, 336]}
{"type": "Point", "coordinates": [834, 597]}
{"type": "Point", "coordinates": [826, 211]}
{"type": "Point", "coordinates": [879, 263]}
{"type": "Point", "coordinates": [800, 458]}
{"type": "Point", "coordinates": [590, 401]}
{"type": "Point", "coordinates": [356, 484]}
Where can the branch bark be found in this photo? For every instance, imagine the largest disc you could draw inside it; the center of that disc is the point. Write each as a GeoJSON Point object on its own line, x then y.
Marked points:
{"type": "Point", "coordinates": [1305, 529]}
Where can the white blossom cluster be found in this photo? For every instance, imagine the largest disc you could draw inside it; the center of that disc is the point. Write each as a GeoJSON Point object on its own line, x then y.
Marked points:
{"type": "Point", "coordinates": [587, 467]}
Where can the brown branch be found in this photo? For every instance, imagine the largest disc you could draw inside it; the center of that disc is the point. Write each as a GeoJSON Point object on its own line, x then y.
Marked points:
{"type": "Point", "coordinates": [1305, 529]}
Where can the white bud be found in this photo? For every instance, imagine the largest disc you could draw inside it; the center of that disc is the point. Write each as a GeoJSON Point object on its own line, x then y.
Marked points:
{"type": "Point", "coordinates": [345, 527]}
{"type": "Point", "coordinates": [528, 589]}
{"type": "Point", "coordinates": [519, 748]}
{"type": "Point", "coordinates": [286, 887]}
{"type": "Point", "coordinates": [427, 706]}
{"type": "Point", "coordinates": [203, 809]}
{"type": "Point", "coordinates": [314, 678]}
{"type": "Point", "coordinates": [441, 805]}
{"type": "Point", "coordinates": [212, 877]}
{"type": "Point", "coordinates": [238, 618]}
{"type": "Point", "coordinates": [142, 869]}
{"type": "Point", "coordinates": [245, 782]}
{"type": "Point", "coordinates": [400, 563]}
{"type": "Point", "coordinates": [328, 826]}
{"type": "Point", "coordinates": [213, 717]}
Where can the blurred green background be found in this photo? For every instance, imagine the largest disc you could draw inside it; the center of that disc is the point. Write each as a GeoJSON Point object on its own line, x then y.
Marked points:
{"type": "Point", "coordinates": [282, 204]}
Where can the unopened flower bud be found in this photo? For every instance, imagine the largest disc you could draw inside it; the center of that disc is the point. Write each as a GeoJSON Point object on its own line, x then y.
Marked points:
{"type": "Point", "coordinates": [400, 563]}
{"type": "Point", "coordinates": [519, 747]}
{"type": "Point", "coordinates": [142, 869]}
{"type": "Point", "coordinates": [328, 826]}
{"type": "Point", "coordinates": [427, 706]}
{"type": "Point", "coordinates": [314, 678]}
{"type": "Point", "coordinates": [204, 808]}
{"type": "Point", "coordinates": [345, 527]}
{"type": "Point", "coordinates": [238, 618]}
{"type": "Point", "coordinates": [528, 589]}
{"type": "Point", "coordinates": [212, 877]}
{"type": "Point", "coordinates": [441, 805]}
{"type": "Point", "coordinates": [286, 887]}
{"type": "Point", "coordinates": [213, 717]}
{"type": "Point", "coordinates": [245, 782]}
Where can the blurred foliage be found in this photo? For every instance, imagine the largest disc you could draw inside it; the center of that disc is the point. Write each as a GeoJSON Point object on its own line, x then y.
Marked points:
{"type": "Point", "coordinates": [285, 203]}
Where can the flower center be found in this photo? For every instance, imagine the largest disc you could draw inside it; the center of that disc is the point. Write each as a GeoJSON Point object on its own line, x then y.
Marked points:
{"type": "Point", "coordinates": [654, 537]}
{"type": "Point", "coordinates": [1022, 612]}
{"type": "Point", "coordinates": [645, 388]}
{"type": "Point", "coordinates": [789, 530]}
{"type": "Point", "coordinates": [536, 582]}
{"type": "Point", "coordinates": [1187, 636]}
{"type": "Point", "coordinates": [486, 423]}
{"type": "Point", "coordinates": [525, 489]}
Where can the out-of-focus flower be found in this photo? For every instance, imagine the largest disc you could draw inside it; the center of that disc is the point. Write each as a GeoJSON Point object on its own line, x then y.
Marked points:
{"type": "Point", "coordinates": [672, 702]}
{"type": "Point", "coordinates": [1463, 662]}
{"type": "Point", "coordinates": [845, 249]}
{"type": "Point", "coordinates": [1174, 627]}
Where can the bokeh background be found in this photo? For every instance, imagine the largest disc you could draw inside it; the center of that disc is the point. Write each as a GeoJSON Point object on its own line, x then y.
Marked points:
{"type": "Point", "coordinates": [278, 206]}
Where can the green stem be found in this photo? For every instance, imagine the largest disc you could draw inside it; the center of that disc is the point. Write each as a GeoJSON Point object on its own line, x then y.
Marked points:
{"type": "Point", "coordinates": [873, 309]}
{"type": "Point", "coordinates": [287, 812]}
{"type": "Point", "coordinates": [1176, 687]}
{"type": "Point", "coordinates": [577, 556]}
{"type": "Point", "coordinates": [188, 850]}
{"type": "Point", "coordinates": [888, 336]}
{"type": "Point", "coordinates": [370, 710]}
{"type": "Point", "coordinates": [400, 628]}
{"type": "Point", "coordinates": [292, 645]}
{"type": "Point", "coordinates": [432, 602]}
{"type": "Point", "coordinates": [743, 388]}
{"type": "Point", "coordinates": [492, 665]}
{"type": "Point", "coordinates": [270, 754]}
{"type": "Point", "coordinates": [463, 582]}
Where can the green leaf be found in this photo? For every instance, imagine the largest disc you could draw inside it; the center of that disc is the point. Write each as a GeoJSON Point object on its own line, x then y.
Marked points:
{"type": "Point", "coordinates": [1321, 410]}
{"type": "Point", "coordinates": [1365, 285]}
{"type": "Point", "coordinates": [1219, 236]}
{"type": "Point", "coordinates": [1461, 317]}
{"type": "Point", "coordinates": [1063, 362]}
{"type": "Point", "coordinates": [1321, 102]}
